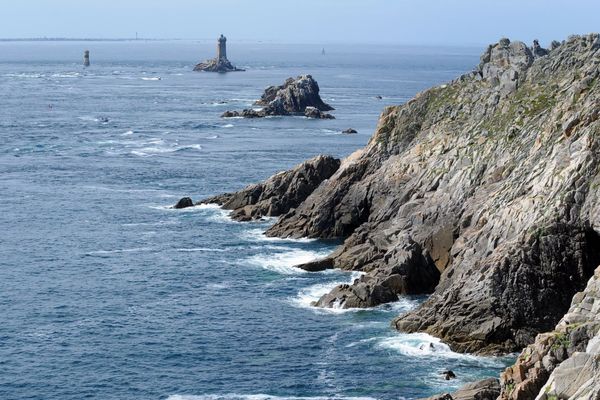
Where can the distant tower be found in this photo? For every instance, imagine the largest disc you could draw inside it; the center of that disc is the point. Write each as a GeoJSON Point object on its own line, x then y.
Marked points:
{"type": "Point", "coordinates": [86, 58]}
{"type": "Point", "coordinates": [222, 47]}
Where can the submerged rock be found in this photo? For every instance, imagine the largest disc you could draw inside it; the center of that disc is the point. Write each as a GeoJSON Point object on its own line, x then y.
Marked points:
{"type": "Point", "coordinates": [291, 98]}
{"type": "Point", "coordinates": [349, 131]}
{"type": "Point", "coordinates": [278, 194]}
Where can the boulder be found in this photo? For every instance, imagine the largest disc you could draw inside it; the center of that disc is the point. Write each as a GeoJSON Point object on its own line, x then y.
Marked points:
{"type": "Point", "coordinates": [315, 113]}
{"type": "Point", "coordinates": [349, 131]}
{"type": "Point", "coordinates": [184, 203]}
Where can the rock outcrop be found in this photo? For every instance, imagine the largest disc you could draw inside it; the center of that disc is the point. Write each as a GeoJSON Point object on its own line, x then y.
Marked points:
{"type": "Point", "coordinates": [278, 194]}
{"type": "Point", "coordinates": [563, 363]}
{"type": "Point", "coordinates": [184, 202]}
{"type": "Point", "coordinates": [294, 97]}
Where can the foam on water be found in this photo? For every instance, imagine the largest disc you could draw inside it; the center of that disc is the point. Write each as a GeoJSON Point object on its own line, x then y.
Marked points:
{"type": "Point", "coordinates": [284, 262]}
{"type": "Point", "coordinates": [257, 235]}
{"type": "Point", "coordinates": [307, 296]}
{"type": "Point", "coordinates": [117, 251]}
{"type": "Point", "coordinates": [234, 396]}
{"type": "Point", "coordinates": [153, 78]}
{"type": "Point", "coordinates": [423, 345]}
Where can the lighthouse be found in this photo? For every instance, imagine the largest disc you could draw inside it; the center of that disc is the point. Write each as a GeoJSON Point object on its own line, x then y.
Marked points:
{"type": "Point", "coordinates": [222, 47]}
{"type": "Point", "coordinates": [86, 58]}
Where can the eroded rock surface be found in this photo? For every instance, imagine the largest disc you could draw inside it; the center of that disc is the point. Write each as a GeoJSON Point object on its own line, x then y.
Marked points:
{"type": "Point", "coordinates": [487, 389]}
{"type": "Point", "coordinates": [291, 98]}
{"type": "Point", "coordinates": [278, 194]}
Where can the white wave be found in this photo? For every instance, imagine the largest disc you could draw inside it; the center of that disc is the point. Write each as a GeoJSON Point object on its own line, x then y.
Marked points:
{"type": "Point", "coordinates": [116, 251]}
{"type": "Point", "coordinates": [234, 396]}
{"type": "Point", "coordinates": [228, 126]}
{"type": "Point", "coordinates": [66, 75]}
{"type": "Point", "coordinates": [127, 133]}
{"type": "Point", "coordinates": [202, 249]}
{"type": "Point", "coordinates": [307, 296]}
{"type": "Point", "coordinates": [424, 345]}
{"type": "Point", "coordinates": [212, 137]}
{"type": "Point", "coordinates": [153, 78]}
{"type": "Point", "coordinates": [152, 150]}
{"type": "Point", "coordinates": [88, 118]}
{"type": "Point", "coordinates": [257, 235]}
{"type": "Point", "coordinates": [284, 263]}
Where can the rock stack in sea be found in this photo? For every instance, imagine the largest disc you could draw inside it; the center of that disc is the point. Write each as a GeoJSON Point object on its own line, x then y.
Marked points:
{"type": "Point", "coordinates": [484, 192]}
{"type": "Point", "coordinates": [297, 96]}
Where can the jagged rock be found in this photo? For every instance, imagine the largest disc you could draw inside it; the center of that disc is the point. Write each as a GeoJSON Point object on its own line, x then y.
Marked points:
{"type": "Point", "coordinates": [487, 389]}
{"type": "Point", "coordinates": [502, 63]}
{"type": "Point", "coordinates": [349, 131]}
{"type": "Point", "coordinates": [537, 50]}
{"type": "Point", "coordinates": [278, 194]}
{"type": "Point", "coordinates": [408, 269]}
{"type": "Point", "coordinates": [291, 98]}
{"type": "Point", "coordinates": [554, 45]}
{"type": "Point", "coordinates": [184, 203]}
{"type": "Point", "coordinates": [564, 363]}
{"type": "Point", "coordinates": [501, 187]}
{"type": "Point", "coordinates": [312, 112]}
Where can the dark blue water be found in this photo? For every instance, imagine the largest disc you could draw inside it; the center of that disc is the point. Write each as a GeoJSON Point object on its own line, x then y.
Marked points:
{"type": "Point", "coordinates": [106, 293]}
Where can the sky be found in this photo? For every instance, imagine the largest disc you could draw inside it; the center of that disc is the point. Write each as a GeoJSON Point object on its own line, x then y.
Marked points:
{"type": "Point", "coordinates": [433, 22]}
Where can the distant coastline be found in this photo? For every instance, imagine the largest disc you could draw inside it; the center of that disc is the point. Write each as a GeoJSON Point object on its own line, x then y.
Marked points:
{"type": "Point", "coordinates": [59, 39]}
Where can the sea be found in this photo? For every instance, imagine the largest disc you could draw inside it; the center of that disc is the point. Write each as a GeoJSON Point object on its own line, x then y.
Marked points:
{"type": "Point", "coordinates": [106, 292]}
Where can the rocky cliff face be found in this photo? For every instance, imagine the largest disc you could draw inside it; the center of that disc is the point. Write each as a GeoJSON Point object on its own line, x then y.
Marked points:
{"type": "Point", "coordinates": [296, 96]}
{"type": "Point", "coordinates": [564, 363]}
{"type": "Point", "coordinates": [485, 191]}
{"type": "Point", "coordinates": [493, 180]}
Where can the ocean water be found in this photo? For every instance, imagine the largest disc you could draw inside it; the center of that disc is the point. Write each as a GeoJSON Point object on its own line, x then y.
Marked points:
{"type": "Point", "coordinates": [107, 293]}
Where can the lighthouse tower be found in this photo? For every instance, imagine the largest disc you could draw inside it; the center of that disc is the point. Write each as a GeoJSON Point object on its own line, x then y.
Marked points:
{"type": "Point", "coordinates": [222, 48]}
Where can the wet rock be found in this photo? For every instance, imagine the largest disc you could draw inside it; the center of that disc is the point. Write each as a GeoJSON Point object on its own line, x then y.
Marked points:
{"type": "Point", "coordinates": [184, 203]}
{"type": "Point", "coordinates": [448, 374]}
{"type": "Point", "coordinates": [487, 389]}
{"type": "Point", "coordinates": [349, 131]}
{"type": "Point", "coordinates": [278, 194]}
{"type": "Point", "coordinates": [317, 266]}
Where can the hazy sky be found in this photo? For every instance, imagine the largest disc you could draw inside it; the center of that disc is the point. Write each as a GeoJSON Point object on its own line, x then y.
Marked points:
{"type": "Point", "coordinates": [304, 21]}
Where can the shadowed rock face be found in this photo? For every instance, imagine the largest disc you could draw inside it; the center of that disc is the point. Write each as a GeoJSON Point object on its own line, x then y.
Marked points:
{"type": "Point", "coordinates": [564, 363]}
{"type": "Point", "coordinates": [291, 98]}
{"type": "Point", "coordinates": [496, 177]}
{"type": "Point", "coordinates": [278, 194]}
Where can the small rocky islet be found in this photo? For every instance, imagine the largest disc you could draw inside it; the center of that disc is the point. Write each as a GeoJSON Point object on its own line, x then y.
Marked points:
{"type": "Point", "coordinates": [485, 194]}
{"type": "Point", "coordinates": [296, 96]}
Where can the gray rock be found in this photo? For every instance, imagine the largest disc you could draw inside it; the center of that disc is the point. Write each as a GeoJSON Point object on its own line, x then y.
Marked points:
{"type": "Point", "coordinates": [349, 131]}
{"type": "Point", "coordinates": [315, 113]}
{"type": "Point", "coordinates": [291, 98]}
{"type": "Point", "coordinates": [278, 194]}
{"type": "Point", "coordinates": [184, 203]}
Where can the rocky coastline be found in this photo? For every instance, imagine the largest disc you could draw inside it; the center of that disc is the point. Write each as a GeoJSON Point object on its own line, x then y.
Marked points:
{"type": "Point", "coordinates": [483, 192]}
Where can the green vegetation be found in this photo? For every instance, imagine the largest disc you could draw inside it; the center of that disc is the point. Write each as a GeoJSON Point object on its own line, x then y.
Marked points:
{"type": "Point", "coordinates": [561, 340]}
